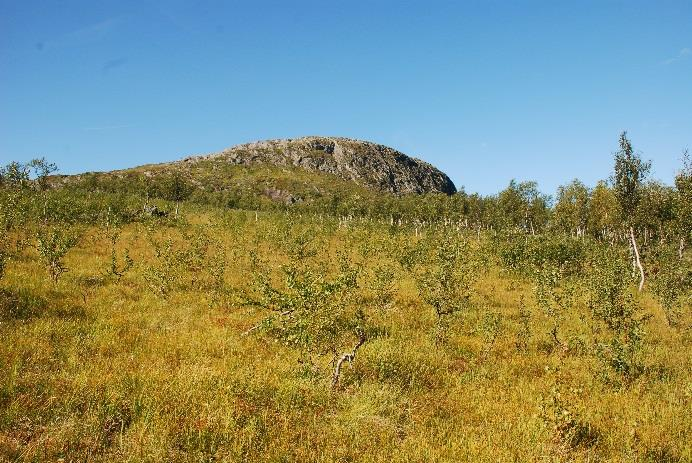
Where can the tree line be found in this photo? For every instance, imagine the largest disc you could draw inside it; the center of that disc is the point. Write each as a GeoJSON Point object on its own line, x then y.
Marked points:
{"type": "Point", "coordinates": [627, 203]}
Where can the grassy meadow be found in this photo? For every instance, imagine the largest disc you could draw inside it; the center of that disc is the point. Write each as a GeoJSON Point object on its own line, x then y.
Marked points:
{"type": "Point", "coordinates": [214, 336]}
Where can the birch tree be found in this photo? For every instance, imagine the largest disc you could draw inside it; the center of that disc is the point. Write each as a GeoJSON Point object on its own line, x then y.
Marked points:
{"type": "Point", "coordinates": [628, 179]}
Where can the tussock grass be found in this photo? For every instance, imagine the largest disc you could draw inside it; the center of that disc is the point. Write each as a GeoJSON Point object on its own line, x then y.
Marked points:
{"type": "Point", "coordinates": [99, 369]}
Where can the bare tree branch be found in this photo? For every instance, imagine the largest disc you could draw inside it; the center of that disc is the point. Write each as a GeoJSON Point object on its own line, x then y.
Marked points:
{"type": "Point", "coordinates": [347, 357]}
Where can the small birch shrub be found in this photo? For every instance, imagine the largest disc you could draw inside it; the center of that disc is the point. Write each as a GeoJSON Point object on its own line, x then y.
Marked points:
{"type": "Point", "coordinates": [317, 314]}
{"type": "Point", "coordinates": [117, 266]}
{"type": "Point", "coordinates": [620, 321]}
{"type": "Point", "coordinates": [446, 282]}
{"type": "Point", "coordinates": [52, 245]}
{"type": "Point", "coordinates": [555, 296]}
{"type": "Point", "coordinates": [671, 283]}
{"type": "Point", "coordinates": [562, 413]}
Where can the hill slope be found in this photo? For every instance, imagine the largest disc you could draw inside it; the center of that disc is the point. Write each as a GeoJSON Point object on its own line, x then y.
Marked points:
{"type": "Point", "coordinates": [368, 164]}
{"type": "Point", "coordinates": [317, 172]}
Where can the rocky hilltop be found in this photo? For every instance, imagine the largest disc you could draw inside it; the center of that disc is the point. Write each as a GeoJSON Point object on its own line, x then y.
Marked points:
{"type": "Point", "coordinates": [368, 164]}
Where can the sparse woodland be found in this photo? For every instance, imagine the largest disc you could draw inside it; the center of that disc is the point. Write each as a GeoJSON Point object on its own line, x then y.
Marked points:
{"type": "Point", "coordinates": [146, 319]}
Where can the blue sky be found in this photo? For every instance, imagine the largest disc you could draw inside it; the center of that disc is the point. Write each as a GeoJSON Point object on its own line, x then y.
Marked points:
{"type": "Point", "coordinates": [486, 90]}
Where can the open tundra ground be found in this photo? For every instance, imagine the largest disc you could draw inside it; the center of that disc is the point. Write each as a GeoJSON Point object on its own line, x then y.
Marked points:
{"type": "Point", "coordinates": [215, 336]}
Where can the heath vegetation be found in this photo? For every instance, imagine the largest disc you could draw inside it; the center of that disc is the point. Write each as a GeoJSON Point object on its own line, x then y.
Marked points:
{"type": "Point", "coordinates": [145, 318]}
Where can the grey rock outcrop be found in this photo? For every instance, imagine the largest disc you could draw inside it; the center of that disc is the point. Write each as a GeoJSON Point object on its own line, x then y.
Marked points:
{"type": "Point", "coordinates": [368, 164]}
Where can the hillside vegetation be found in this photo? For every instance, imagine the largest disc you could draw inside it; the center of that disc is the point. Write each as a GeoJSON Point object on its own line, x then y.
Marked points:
{"type": "Point", "coordinates": [148, 317]}
{"type": "Point", "coordinates": [310, 173]}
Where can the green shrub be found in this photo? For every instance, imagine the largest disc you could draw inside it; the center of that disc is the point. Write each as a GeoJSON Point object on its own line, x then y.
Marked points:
{"type": "Point", "coordinates": [446, 282]}
{"type": "Point", "coordinates": [313, 313]}
{"type": "Point", "coordinates": [529, 253]}
{"type": "Point", "coordinates": [112, 232]}
{"type": "Point", "coordinates": [555, 296]}
{"type": "Point", "coordinates": [52, 245]}
{"type": "Point", "coordinates": [620, 335]}
{"type": "Point", "coordinates": [671, 282]}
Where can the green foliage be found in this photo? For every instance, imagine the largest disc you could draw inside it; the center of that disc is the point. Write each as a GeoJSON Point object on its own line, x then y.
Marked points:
{"type": "Point", "coordinates": [164, 274]}
{"type": "Point", "coordinates": [193, 257]}
{"type": "Point", "coordinates": [446, 282]}
{"type": "Point", "coordinates": [628, 178]}
{"type": "Point", "coordinates": [490, 328]}
{"type": "Point", "coordinates": [25, 176]}
{"type": "Point", "coordinates": [571, 211]}
{"type": "Point", "coordinates": [529, 254]}
{"type": "Point", "coordinates": [15, 175]}
{"type": "Point", "coordinates": [309, 311]}
{"type": "Point", "coordinates": [176, 188]}
{"type": "Point", "coordinates": [383, 287]}
{"type": "Point", "coordinates": [312, 313]}
{"type": "Point", "coordinates": [52, 244]}
{"type": "Point", "coordinates": [410, 253]}
{"type": "Point", "coordinates": [683, 200]}
{"type": "Point", "coordinates": [42, 169]}
{"type": "Point", "coordinates": [657, 209]}
{"type": "Point", "coordinates": [16, 196]}
{"type": "Point", "coordinates": [522, 206]}
{"type": "Point", "coordinates": [112, 231]}
{"type": "Point", "coordinates": [186, 257]}
{"type": "Point", "coordinates": [604, 212]}
{"type": "Point", "coordinates": [554, 296]}
{"type": "Point", "coordinates": [671, 282]}
{"type": "Point", "coordinates": [620, 333]}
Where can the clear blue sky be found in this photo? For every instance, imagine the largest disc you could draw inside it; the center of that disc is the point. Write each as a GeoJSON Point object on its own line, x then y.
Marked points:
{"type": "Point", "coordinates": [485, 90]}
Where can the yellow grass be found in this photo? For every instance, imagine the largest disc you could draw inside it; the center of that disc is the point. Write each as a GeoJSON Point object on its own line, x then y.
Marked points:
{"type": "Point", "coordinates": [99, 370]}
